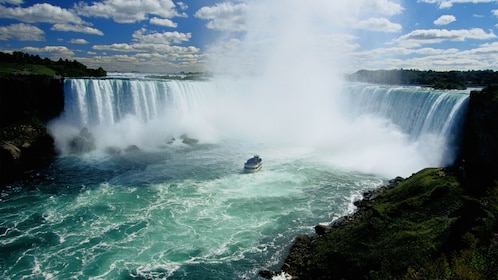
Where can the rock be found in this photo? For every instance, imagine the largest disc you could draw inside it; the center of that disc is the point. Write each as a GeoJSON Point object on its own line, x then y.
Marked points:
{"type": "Point", "coordinates": [10, 151]}
{"type": "Point", "coordinates": [23, 146]}
{"type": "Point", "coordinates": [132, 149]}
{"type": "Point", "coordinates": [396, 180]}
{"type": "Point", "coordinates": [266, 274]}
{"type": "Point", "coordinates": [188, 140]}
{"type": "Point", "coordinates": [82, 143]}
{"type": "Point", "coordinates": [322, 229]}
{"type": "Point", "coordinates": [480, 150]}
{"type": "Point", "coordinates": [30, 96]}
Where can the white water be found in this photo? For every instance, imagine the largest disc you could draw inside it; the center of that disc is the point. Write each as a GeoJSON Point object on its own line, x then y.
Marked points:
{"type": "Point", "coordinates": [182, 211]}
{"type": "Point", "coordinates": [388, 131]}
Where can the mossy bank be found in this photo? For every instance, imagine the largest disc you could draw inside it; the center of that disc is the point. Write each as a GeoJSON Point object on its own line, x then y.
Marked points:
{"type": "Point", "coordinates": [440, 223]}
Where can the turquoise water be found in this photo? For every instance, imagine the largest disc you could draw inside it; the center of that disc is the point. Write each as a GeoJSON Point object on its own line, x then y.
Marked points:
{"type": "Point", "coordinates": [182, 212]}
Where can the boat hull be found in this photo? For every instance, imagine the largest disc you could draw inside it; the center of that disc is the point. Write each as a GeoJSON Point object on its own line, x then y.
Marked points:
{"type": "Point", "coordinates": [252, 169]}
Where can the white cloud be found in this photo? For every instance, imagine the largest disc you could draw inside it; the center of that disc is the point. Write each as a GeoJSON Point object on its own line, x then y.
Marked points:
{"type": "Point", "coordinates": [145, 48]}
{"type": "Point", "coordinates": [13, 2]}
{"type": "Point", "coordinates": [40, 13]}
{"type": "Point", "coordinates": [484, 56]}
{"type": "Point", "coordinates": [495, 13]}
{"type": "Point", "coordinates": [148, 58]}
{"type": "Point", "coordinates": [431, 36]}
{"type": "Point", "coordinates": [142, 36]}
{"type": "Point", "coordinates": [445, 19]}
{"type": "Point", "coordinates": [76, 28]}
{"type": "Point", "coordinates": [21, 32]}
{"type": "Point", "coordinates": [182, 5]}
{"type": "Point", "coordinates": [54, 52]}
{"type": "Point", "coordinates": [78, 41]}
{"type": "Point", "coordinates": [444, 4]}
{"type": "Point", "coordinates": [384, 7]}
{"type": "Point", "coordinates": [163, 22]}
{"type": "Point", "coordinates": [224, 16]}
{"type": "Point", "coordinates": [378, 24]}
{"type": "Point", "coordinates": [128, 11]}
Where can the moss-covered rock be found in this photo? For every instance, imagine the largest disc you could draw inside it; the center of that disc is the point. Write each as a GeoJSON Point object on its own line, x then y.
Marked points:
{"type": "Point", "coordinates": [402, 228]}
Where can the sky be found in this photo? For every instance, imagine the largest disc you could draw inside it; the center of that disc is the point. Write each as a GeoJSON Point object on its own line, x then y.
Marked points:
{"type": "Point", "coordinates": [167, 36]}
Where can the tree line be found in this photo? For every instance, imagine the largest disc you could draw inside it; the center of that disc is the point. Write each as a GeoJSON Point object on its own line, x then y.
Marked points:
{"type": "Point", "coordinates": [435, 79]}
{"type": "Point", "coordinates": [64, 67]}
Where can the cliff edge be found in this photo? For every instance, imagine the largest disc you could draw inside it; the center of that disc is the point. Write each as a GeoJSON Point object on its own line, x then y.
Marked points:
{"type": "Point", "coordinates": [441, 223]}
{"type": "Point", "coordinates": [27, 103]}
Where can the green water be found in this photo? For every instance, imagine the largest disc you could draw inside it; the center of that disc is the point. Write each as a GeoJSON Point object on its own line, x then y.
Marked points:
{"type": "Point", "coordinates": [180, 212]}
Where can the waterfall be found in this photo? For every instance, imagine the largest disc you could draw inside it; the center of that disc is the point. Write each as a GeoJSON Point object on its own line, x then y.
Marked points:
{"type": "Point", "coordinates": [416, 111]}
{"type": "Point", "coordinates": [430, 118]}
{"type": "Point", "coordinates": [371, 128]}
{"type": "Point", "coordinates": [90, 102]}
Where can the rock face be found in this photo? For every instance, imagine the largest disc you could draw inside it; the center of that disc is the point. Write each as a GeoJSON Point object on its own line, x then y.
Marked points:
{"type": "Point", "coordinates": [479, 163]}
{"type": "Point", "coordinates": [26, 103]}
{"type": "Point", "coordinates": [430, 214]}
{"type": "Point", "coordinates": [24, 97]}
{"type": "Point", "coordinates": [82, 143]}
{"type": "Point", "coordinates": [23, 146]}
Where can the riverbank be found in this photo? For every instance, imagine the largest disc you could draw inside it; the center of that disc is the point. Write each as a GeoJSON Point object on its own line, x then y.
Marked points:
{"type": "Point", "coordinates": [441, 223]}
{"type": "Point", "coordinates": [27, 103]}
{"type": "Point", "coordinates": [424, 227]}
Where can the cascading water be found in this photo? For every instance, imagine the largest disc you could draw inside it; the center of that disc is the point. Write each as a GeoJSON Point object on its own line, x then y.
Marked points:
{"type": "Point", "coordinates": [432, 119]}
{"type": "Point", "coordinates": [360, 128]}
{"type": "Point", "coordinates": [183, 211]}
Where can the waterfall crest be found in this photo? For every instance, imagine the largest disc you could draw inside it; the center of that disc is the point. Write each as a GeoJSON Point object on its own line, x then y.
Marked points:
{"type": "Point", "coordinates": [370, 128]}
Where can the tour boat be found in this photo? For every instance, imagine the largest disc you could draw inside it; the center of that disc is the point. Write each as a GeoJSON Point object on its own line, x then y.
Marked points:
{"type": "Point", "coordinates": [253, 164]}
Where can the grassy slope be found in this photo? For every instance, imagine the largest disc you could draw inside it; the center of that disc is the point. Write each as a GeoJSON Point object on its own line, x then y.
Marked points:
{"type": "Point", "coordinates": [404, 231]}
{"type": "Point", "coordinates": [9, 68]}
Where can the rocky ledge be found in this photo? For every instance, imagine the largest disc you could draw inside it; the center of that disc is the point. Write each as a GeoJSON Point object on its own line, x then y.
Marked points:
{"type": "Point", "coordinates": [27, 102]}
{"type": "Point", "coordinates": [424, 227]}
{"type": "Point", "coordinates": [24, 146]}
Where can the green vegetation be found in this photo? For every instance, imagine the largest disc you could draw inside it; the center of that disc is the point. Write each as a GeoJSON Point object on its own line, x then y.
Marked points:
{"type": "Point", "coordinates": [19, 63]}
{"type": "Point", "coordinates": [426, 227]}
{"type": "Point", "coordinates": [435, 79]}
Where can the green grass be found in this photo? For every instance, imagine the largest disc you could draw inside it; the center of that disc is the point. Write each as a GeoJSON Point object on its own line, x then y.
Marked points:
{"type": "Point", "coordinates": [408, 227]}
{"type": "Point", "coordinates": [24, 69]}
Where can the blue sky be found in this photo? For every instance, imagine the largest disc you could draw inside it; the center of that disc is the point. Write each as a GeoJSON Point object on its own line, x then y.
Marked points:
{"type": "Point", "coordinates": [171, 36]}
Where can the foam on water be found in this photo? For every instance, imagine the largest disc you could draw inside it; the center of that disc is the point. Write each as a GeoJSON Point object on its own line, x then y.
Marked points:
{"type": "Point", "coordinates": [202, 222]}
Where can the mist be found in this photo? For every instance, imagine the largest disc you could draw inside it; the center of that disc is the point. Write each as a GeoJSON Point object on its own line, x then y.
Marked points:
{"type": "Point", "coordinates": [278, 84]}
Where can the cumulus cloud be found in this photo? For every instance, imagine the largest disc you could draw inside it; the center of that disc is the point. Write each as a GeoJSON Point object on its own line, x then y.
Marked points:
{"type": "Point", "coordinates": [55, 52]}
{"type": "Point", "coordinates": [384, 7]}
{"type": "Point", "coordinates": [224, 16]}
{"type": "Point", "coordinates": [78, 41]}
{"type": "Point", "coordinates": [431, 36]}
{"type": "Point", "coordinates": [143, 36]}
{"type": "Point", "coordinates": [445, 19]}
{"type": "Point", "coordinates": [378, 24]}
{"type": "Point", "coordinates": [444, 4]}
{"type": "Point", "coordinates": [21, 32]}
{"type": "Point", "coordinates": [128, 11]}
{"type": "Point", "coordinates": [76, 28]}
{"type": "Point", "coordinates": [163, 22]}
{"type": "Point", "coordinates": [13, 2]}
{"type": "Point", "coordinates": [40, 13]}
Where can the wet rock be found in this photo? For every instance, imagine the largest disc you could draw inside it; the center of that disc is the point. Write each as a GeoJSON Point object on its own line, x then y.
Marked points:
{"type": "Point", "coordinates": [322, 229]}
{"type": "Point", "coordinates": [171, 140]}
{"type": "Point", "coordinates": [132, 149]}
{"type": "Point", "coordinates": [187, 140]}
{"type": "Point", "coordinates": [267, 274]}
{"type": "Point", "coordinates": [10, 151]}
{"type": "Point", "coordinates": [84, 142]}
